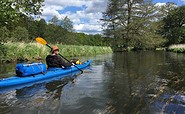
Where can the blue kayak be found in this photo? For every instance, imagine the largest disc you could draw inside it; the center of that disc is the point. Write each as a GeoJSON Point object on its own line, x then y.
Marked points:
{"type": "Point", "coordinates": [49, 74]}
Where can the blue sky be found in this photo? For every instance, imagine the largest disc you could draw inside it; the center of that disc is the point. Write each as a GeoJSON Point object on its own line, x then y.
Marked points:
{"type": "Point", "coordinates": [85, 14]}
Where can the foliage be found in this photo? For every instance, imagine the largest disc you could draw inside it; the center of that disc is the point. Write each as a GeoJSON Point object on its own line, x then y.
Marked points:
{"type": "Point", "coordinates": [65, 23]}
{"type": "Point", "coordinates": [5, 34]}
{"type": "Point", "coordinates": [27, 29]}
{"type": "Point", "coordinates": [134, 23]}
{"type": "Point", "coordinates": [164, 10]}
{"type": "Point", "coordinates": [174, 26]}
{"type": "Point", "coordinates": [20, 34]}
{"type": "Point", "coordinates": [55, 34]}
{"type": "Point", "coordinates": [12, 10]}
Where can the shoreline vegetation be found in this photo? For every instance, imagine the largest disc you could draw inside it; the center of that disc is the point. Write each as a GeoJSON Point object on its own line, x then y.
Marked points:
{"type": "Point", "coordinates": [177, 48]}
{"type": "Point", "coordinates": [12, 52]}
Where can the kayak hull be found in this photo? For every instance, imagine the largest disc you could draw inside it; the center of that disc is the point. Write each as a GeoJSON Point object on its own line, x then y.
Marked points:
{"type": "Point", "coordinates": [49, 74]}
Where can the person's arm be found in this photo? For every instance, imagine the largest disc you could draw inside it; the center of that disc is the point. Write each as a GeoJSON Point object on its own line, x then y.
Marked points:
{"type": "Point", "coordinates": [61, 62]}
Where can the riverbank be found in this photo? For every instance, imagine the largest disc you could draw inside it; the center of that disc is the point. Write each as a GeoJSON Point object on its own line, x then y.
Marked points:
{"type": "Point", "coordinates": [177, 48]}
{"type": "Point", "coordinates": [31, 51]}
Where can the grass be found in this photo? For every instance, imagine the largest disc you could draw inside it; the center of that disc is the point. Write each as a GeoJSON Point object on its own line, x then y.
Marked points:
{"type": "Point", "coordinates": [31, 51]}
{"type": "Point", "coordinates": [178, 48]}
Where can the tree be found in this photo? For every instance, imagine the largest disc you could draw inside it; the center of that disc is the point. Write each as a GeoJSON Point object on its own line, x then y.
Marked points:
{"type": "Point", "coordinates": [5, 34]}
{"type": "Point", "coordinates": [11, 10]}
{"type": "Point", "coordinates": [41, 27]}
{"type": "Point", "coordinates": [54, 20]}
{"type": "Point", "coordinates": [117, 18]}
{"type": "Point", "coordinates": [132, 23]}
{"type": "Point", "coordinates": [174, 26]}
{"type": "Point", "coordinates": [20, 34]}
{"type": "Point", "coordinates": [55, 34]}
{"type": "Point", "coordinates": [67, 24]}
{"type": "Point", "coordinates": [163, 10]}
{"type": "Point", "coordinates": [145, 27]}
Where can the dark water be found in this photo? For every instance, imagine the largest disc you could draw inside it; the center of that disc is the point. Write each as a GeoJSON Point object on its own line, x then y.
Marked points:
{"type": "Point", "coordinates": [146, 82]}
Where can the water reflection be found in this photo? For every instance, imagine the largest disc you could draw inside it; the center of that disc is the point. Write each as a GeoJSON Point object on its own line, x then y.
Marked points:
{"type": "Point", "coordinates": [130, 77]}
{"type": "Point", "coordinates": [138, 78]}
{"type": "Point", "coordinates": [146, 82]}
{"type": "Point", "coordinates": [170, 103]}
{"type": "Point", "coordinates": [7, 70]}
{"type": "Point", "coordinates": [43, 96]}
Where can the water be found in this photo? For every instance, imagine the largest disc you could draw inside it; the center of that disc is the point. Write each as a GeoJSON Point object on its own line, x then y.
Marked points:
{"type": "Point", "coordinates": [146, 82]}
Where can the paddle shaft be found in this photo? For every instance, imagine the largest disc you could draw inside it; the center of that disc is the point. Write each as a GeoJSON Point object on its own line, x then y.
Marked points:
{"type": "Point", "coordinates": [66, 59]}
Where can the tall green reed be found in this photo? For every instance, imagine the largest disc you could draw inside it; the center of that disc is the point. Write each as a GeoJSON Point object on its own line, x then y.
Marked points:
{"type": "Point", "coordinates": [32, 51]}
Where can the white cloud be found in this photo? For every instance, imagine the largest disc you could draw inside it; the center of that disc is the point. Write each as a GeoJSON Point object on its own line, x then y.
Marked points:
{"type": "Point", "coordinates": [96, 6]}
{"type": "Point", "coordinates": [88, 29]}
{"type": "Point", "coordinates": [182, 0]}
{"type": "Point", "coordinates": [65, 3]}
{"type": "Point", "coordinates": [50, 12]}
{"type": "Point", "coordinates": [160, 4]}
{"type": "Point", "coordinates": [85, 20]}
{"type": "Point", "coordinates": [178, 2]}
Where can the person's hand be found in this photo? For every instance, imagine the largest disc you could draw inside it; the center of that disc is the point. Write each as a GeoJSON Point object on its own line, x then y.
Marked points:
{"type": "Point", "coordinates": [78, 62]}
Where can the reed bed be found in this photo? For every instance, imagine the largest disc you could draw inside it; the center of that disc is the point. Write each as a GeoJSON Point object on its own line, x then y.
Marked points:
{"type": "Point", "coordinates": [178, 48]}
{"type": "Point", "coordinates": [32, 51]}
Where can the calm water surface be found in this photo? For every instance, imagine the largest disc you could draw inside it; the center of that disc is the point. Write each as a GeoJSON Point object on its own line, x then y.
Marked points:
{"type": "Point", "coordinates": [145, 82]}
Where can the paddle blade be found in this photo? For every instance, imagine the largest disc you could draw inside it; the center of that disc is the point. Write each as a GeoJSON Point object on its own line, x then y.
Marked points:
{"type": "Point", "coordinates": [41, 40]}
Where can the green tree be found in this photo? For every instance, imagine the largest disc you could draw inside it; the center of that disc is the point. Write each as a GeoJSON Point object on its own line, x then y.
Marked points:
{"type": "Point", "coordinates": [67, 24]}
{"type": "Point", "coordinates": [132, 23]}
{"type": "Point", "coordinates": [12, 10]}
{"type": "Point", "coordinates": [20, 34]}
{"type": "Point", "coordinates": [5, 34]}
{"type": "Point", "coordinates": [163, 10]}
{"type": "Point", "coordinates": [29, 23]}
{"type": "Point", "coordinates": [54, 20]}
{"type": "Point", "coordinates": [55, 34]}
{"type": "Point", "coordinates": [117, 18]}
{"type": "Point", "coordinates": [41, 27]}
{"type": "Point", "coordinates": [174, 26]}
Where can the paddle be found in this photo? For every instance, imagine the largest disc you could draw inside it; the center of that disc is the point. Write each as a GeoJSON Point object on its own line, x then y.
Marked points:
{"type": "Point", "coordinates": [42, 41]}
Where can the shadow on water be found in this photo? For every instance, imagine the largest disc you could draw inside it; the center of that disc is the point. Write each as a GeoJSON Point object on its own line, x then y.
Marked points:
{"type": "Point", "coordinates": [143, 82]}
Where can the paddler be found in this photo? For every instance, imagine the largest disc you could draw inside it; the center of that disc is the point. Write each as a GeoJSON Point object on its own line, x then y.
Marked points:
{"type": "Point", "coordinates": [54, 60]}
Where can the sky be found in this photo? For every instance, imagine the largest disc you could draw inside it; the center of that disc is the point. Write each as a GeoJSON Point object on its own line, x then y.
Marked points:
{"type": "Point", "coordinates": [85, 14]}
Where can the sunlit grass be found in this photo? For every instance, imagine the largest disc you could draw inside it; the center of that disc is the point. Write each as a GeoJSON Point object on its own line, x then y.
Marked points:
{"type": "Point", "coordinates": [31, 51]}
{"type": "Point", "coordinates": [177, 48]}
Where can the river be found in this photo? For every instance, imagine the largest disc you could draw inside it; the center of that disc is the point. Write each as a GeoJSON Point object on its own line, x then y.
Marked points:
{"type": "Point", "coordinates": [143, 82]}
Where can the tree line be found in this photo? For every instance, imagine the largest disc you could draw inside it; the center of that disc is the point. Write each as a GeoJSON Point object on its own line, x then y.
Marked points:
{"type": "Point", "coordinates": [141, 24]}
{"type": "Point", "coordinates": [18, 25]}
{"type": "Point", "coordinates": [26, 29]}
